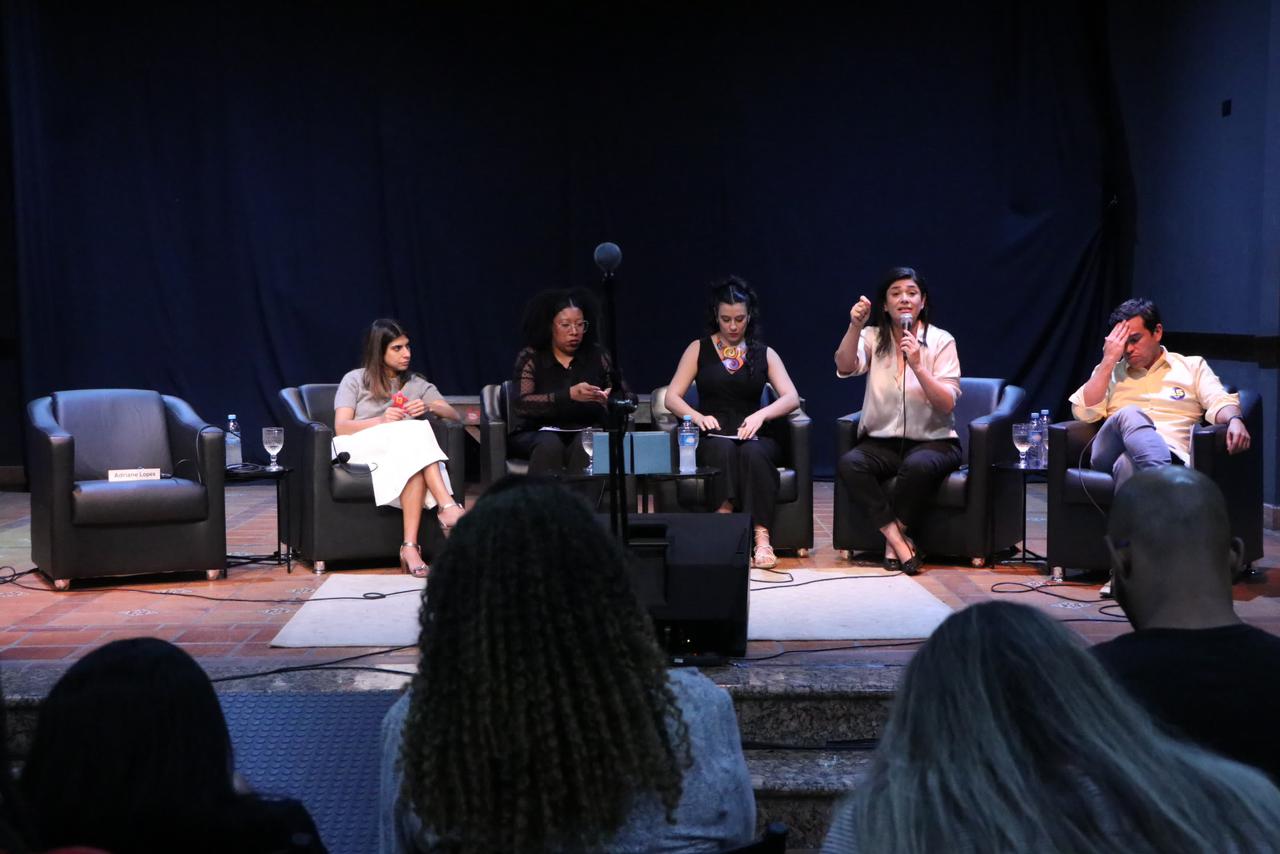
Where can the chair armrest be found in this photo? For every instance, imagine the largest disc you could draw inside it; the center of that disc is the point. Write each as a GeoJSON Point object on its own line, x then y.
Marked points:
{"type": "Point", "coordinates": [799, 425]}
{"type": "Point", "coordinates": [1208, 440]}
{"type": "Point", "coordinates": [1067, 439]}
{"type": "Point", "coordinates": [198, 447]}
{"type": "Point", "coordinates": [51, 455]}
{"type": "Point", "coordinates": [452, 436]}
{"type": "Point", "coordinates": [991, 435]}
{"type": "Point", "coordinates": [847, 432]}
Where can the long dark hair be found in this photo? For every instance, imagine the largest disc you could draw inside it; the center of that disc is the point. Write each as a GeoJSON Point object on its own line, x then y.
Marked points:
{"type": "Point", "coordinates": [541, 708]}
{"type": "Point", "coordinates": [729, 291]}
{"type": "Point", "coordinates": [379, 336]}
{"type": "Point", "coordinates": [973, 755]}
{"type": "Point", "coordinates": [132, 737]}
{"type": "Point", "coordinates": [887, 323]}
{"type": "Point", "coordinates": [542, 309]}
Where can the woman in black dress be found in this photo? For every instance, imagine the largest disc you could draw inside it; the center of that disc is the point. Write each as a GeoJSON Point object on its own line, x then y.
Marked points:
{"type": "Point", "coordinates": [731, 366]}
{"type": "Point", "coordinates": [562, 382]}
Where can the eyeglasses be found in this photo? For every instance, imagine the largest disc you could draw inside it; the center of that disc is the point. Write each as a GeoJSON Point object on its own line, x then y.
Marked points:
{"type": "Point", "coordinates": [569, 326]}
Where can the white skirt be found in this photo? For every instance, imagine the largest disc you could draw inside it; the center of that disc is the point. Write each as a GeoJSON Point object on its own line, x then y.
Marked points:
{"type": "Point", "coordinates": [395, 452]}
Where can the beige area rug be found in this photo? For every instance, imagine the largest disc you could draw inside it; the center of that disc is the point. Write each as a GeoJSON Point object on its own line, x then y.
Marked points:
{"type": "Point", "coordinates": [357, 610]}
{"type": "Point", "coordinates": [841, 605]}
{"type": "Point", "coordinates": [382, 610]}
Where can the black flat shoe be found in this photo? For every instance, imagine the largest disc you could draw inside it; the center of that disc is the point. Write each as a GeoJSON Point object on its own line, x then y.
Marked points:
{"type": "Point", "coordinates": [912, 567]}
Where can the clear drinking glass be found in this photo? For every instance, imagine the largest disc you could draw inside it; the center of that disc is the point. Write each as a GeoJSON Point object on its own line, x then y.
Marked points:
{"type": "Point", "coordinates": [272, 443]}
{"type": "Point", "coordinates": [588, 445]}
{"type": "Point", "coordinates": [1022, 441]}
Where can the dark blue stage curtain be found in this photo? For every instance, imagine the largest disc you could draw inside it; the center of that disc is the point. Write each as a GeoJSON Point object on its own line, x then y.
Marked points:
{"type": "Point", "coordinates": [214, 199]}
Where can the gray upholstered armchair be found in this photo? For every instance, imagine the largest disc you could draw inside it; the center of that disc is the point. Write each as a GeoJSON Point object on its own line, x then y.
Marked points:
{"type": "Point", "coordinates": [84, 526]}
{"type": "Point", "coordinates": [974, 513]}
{"type": "Point", "coordinates": [330, 508]}
{"type": "Point", "coordinates": [793, 523]}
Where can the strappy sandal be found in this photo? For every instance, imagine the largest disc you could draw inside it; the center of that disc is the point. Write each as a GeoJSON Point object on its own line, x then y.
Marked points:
{"type": "Point", "coordinates": [763, 557]}
{"type": "Point", "coordinates": [447, 529]}
{"type": "Point", "coordinates": [418, 570]}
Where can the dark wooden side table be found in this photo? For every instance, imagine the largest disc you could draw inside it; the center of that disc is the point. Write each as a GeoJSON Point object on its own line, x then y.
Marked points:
{"type": "Point", "coordinates": [284, 553]}
{"type": "Point", "coordinates": [1029, 474]}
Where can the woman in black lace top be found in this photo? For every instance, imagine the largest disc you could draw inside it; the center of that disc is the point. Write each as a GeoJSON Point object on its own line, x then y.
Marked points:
{"type": "Point", "coordinates": [731, 366]}
{"type": "Point", "coordinates": [562, 382]}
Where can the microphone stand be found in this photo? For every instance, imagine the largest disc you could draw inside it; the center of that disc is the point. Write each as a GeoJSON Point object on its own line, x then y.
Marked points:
{"type": "Point", "coordinates": [619, 408]}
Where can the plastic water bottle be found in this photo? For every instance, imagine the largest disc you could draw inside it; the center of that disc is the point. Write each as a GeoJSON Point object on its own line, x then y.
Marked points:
{"type": "Point", "coordinates": [234, 457]}
{"type": "Point", "coordinates": [1044, 446]}
{"type": "Point", "coordinates": [688, 444]}
{"type": "Point", "coordinates": [1036, 435]}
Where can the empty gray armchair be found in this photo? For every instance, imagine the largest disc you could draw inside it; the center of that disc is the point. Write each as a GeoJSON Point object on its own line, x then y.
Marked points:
{"type": "Point", "coordinates": [330, 507]}
{"type": "Point", "coordinates": [975, 511]}
{"type": "Point", "coordinates": [793, 522]}
{"type": "Point", "coordinates": [83, 525]}
{"type": "Point", "coordinates": [1080, 498]}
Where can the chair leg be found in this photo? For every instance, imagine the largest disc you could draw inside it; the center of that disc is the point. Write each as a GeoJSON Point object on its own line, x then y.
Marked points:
{"type": "Point", "coordinates": [977, 562]}
{"type": "Point", "coordinates": [62, 584]}
{"type": "Point", "coordinates": [318, 567]}
{"type": "Point", "coordinates": [845, 554]}
{"type": "Point", "coordinates": [215, 574]}
{"type": "Point", "coordinates": [802, 552]}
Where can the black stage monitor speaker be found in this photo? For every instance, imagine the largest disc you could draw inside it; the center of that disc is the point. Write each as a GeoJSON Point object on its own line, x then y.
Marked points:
{"type": "Point", "coordinates": [692, 571]}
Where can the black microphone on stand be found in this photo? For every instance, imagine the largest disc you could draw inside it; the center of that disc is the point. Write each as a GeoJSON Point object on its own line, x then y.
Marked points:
{"type": "Point", "coordinates": [908, 323]}
{"type": "Point", "coordinates": [608, 256]}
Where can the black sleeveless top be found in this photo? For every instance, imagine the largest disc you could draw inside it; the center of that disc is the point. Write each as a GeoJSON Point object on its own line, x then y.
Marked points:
{"type": "Point", "coordinates": [730, 397]}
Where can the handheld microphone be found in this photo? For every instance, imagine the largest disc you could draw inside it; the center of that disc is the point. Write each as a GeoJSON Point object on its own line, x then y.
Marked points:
{"type": "Point", "coordinates": [607, 257]}
{"type": "Point", "coordinates": [907, 321]}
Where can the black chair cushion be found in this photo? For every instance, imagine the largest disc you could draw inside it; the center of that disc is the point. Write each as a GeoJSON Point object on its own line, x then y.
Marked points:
{"type": "Point", "coordinates": [174, 499]}
{"type": "Point", "coordinates": [114, 428]}
{"type": "Point", "coordinates": [691, 492]}
{"type": "Point", "coordinates": [351, 482]}
{"type": "Point", "coordinates": [1099, 484]}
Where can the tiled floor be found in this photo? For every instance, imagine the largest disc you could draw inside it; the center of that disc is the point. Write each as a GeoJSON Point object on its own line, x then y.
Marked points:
{"type": "Point", "coordinates": [229, 624]}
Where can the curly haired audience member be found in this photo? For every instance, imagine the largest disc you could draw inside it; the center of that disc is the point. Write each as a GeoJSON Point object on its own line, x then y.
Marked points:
{"type": "Point", "coordinates": [542, 716]}
{"type": "Point", "coordinates": [132, 754]}
{"type": "Point", "coordinates": [1006, 736]}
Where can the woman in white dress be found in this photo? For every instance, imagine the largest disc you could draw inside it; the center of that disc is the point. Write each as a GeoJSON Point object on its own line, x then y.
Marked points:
{"type": "Point", "coordinates": [377, 414]}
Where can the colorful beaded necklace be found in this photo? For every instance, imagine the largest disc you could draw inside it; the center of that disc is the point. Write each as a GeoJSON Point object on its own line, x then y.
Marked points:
{"type": "Point", "coordinates": [733, 357]}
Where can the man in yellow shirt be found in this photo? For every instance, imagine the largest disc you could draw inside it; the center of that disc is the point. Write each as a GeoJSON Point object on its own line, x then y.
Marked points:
{"type": "Point", "coordinates": [1151, 399]}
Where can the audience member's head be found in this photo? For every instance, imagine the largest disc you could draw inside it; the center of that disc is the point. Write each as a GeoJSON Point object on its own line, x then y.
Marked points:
{"type": "Point", "coordinates": [1007, 736]}
{"type": "Point", "coordinates": [541, 705]}
{"type": "Point", "coordinates": [131, 752]}
{"type": "Point", "coordinates": [1172, 554]}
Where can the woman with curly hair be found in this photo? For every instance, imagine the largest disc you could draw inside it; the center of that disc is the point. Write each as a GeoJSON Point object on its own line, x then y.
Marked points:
{"type": "Point", "coordinates": [542, 716]}
{"type": "Point", "coordinates": [561, 382]}
{"type": "Point", "coordinates": [1007, 736]}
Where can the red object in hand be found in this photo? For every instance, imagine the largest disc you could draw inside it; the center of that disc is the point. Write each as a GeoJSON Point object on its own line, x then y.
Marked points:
{"type": "Point", "coordinates": [398, 400]}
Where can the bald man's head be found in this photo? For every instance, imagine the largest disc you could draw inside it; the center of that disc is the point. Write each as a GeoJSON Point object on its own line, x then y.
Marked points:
{"type": "Point", "coordinates": [1171, 542]}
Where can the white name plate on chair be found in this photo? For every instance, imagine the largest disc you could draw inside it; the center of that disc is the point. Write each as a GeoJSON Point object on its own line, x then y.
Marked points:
{"type": "Point", "coordinates": [117, 475]}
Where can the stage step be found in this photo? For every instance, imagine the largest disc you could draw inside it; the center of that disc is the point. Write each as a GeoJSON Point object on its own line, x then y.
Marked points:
{"type": "Point", "coordinates": [799, 787]}
{"type": "Point", "coordinates": [809, 706]}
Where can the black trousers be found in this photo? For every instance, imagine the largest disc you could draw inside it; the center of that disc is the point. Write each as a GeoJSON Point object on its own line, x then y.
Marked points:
{"type": "Point", "coordinates": [918, 466]}
{"type": "Point", "coordinates": [549, 452]}
{"type": "Point", "coordinates": [748, 475]}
